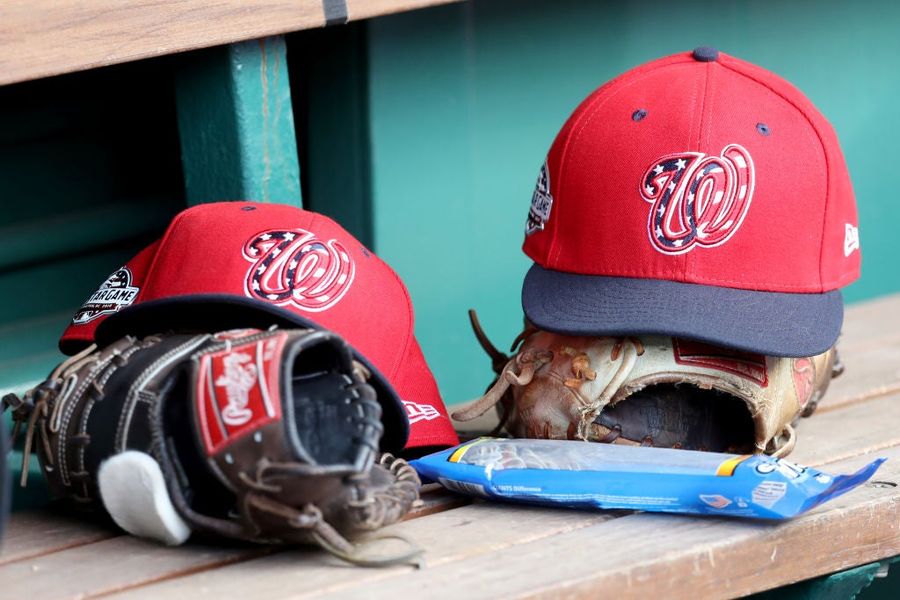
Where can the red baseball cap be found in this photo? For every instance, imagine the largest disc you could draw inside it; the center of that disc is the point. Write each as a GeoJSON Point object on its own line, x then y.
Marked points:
{"type": "Point", "coordinates": [696, 196]}
{"type": "Point", "coordinates": [246, 264]}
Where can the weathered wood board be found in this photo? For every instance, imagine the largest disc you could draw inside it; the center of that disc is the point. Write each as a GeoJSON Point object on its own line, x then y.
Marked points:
{"type": "Point", "coordinates": [40, 38]}
{"type": "Point", "coordinates": [479, 550]}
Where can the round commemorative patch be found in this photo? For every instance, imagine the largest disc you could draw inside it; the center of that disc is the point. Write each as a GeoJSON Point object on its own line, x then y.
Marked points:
{"type": "Point", "coordinates": [113, 295]}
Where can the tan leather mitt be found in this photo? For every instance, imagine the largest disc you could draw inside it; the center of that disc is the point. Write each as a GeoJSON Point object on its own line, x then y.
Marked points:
{"type": "Point", "coordinates": [652, 391]}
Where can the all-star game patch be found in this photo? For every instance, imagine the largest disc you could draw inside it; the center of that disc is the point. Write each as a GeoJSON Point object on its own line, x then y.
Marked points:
{"type": "Point", "coordinates": [113, 295]}
{"type": "Point", "coordinates": [541, 203]}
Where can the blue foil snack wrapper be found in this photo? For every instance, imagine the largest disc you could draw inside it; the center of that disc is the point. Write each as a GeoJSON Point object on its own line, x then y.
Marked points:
{"type": "Point", "coordinates": [591, 475]}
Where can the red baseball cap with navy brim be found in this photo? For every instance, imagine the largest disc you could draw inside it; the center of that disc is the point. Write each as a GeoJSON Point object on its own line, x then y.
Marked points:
{"type": "Point", "coordinates": [244, 264]}
{"type": "Point", "coordinates": [696, 196]}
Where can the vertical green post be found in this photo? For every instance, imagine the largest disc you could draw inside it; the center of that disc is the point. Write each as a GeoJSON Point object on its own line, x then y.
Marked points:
{"type": "Point", "coordinates": [236, 124]}
{"type": "Point", "coordinates": [329, 73]}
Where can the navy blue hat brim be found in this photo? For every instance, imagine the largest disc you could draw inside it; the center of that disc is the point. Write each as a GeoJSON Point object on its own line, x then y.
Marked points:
{"type": "Point", "coordinates": [770, 323]}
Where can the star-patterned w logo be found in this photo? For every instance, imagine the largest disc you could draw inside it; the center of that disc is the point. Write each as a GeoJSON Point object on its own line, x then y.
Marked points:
{"type": "Point", "coordinates": [698, 200]}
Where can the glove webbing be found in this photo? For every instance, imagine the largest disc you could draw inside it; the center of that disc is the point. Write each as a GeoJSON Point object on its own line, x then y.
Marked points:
{"type": "Point", "coordinates": [625, 350]}
{"type": "Point", "coordinates": [376, 511]}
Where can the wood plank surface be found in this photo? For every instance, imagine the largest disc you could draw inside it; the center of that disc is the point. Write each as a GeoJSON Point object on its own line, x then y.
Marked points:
{"type": "Point", "coordinates": [36, 532]}
{"type": "Point", "coordinates": [40, 38]}
{"type": "Point", "coordinates": [479, 530]}
{"type": "Point", "coordinates": [871, 322]}
{"type": "Point", "coordinates": [492, 550]}
{"type": "Point", "coordinates": [870, 372]}
{"type": "Point", "coordinates": [435, 498]}
{"type": "Point", "coordinates": [852, 430]}
{"type": "Point", "coordinates": [477, 549]}
{"type": "Point", "coordinates": [41, 540]}
{"type": "Point", "coordinates": [669, 556]}
{"type": "Point", "coordinates": [110, 565]}
{"type": "Point", "coordinates": [474, 532]}
{"type": "Point", "coordinates": [870, 349]}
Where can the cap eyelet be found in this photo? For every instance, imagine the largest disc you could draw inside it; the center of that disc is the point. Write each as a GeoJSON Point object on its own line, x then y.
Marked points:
{"type": "Point", "coordinates": [763, 129]}
{"type": "Point", "coordinates": [247, 208]}
{"type": "Point", "coordinates": [638, 115]}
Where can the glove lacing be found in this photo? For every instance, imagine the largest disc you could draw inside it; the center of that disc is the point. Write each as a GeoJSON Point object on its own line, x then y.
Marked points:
{"type": "Point", "coordinates": [389, 505]}
{"type": "Point", "coordinates": [628, 349]}
{"type": "Point", "coordinates": [521, 368]}
{"type": "Point", "coordinates": [33, 410]}
{"type": "Point", "coordinates": [309, 518]}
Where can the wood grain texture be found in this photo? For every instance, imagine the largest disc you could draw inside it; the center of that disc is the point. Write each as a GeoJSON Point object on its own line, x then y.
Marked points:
{"type": "Point", "coordinates": [40, 38]}
{"type": "Point", "coordinates": [482, 549]}
{"type": "Point", "coordinates": [869, 372]}
{"type": "Point", "coordinates": [871, 323]}
{"type": "Point", "coordinates": [436, 498]}
{"type": "Point", "coordinates": [479, 531]}
{"type": "Point", "coordinates": [476, 534]}
{"type": "Point", "coordinates": [668, 556]}
{"type": "Point", "coordinates": [111, 565]}
{"type": "Point", "coordinates": [853, 430]}
{"type": "Point", "coordinates": [365, 9]}
{"type": "Point", "coordinates": [35, 532]}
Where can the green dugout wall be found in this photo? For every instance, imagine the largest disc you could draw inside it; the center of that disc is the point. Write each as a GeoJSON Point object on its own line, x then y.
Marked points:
{"type": "Point", "coordinates": [458, 105]}
{"type": "Point", "coordinates": [421, 132]}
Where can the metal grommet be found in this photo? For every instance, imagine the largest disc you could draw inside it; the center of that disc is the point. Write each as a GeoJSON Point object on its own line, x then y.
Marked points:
{"type": "Point", "coordinates": [763, 129]}
{"type": "Point", "coordinates": [638, 115]}
{"type": "Point", "coordinates": [246, 208]}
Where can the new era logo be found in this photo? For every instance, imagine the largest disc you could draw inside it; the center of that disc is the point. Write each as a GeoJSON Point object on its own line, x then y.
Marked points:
{"type": "Point", "coordinates": [420, 412]}
{"type": "Point", "coordinates": [851, 239]}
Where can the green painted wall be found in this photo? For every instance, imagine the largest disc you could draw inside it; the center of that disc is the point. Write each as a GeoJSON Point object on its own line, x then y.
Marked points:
{"type": "Point", "coordinates": [464, 101]}
{"type": "Point", "coordinates": [330, 95]}
{"type": "Point", "coordinates": [89, 172]}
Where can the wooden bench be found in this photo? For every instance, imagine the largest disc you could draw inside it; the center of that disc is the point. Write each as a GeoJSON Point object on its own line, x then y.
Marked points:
{"type": "Point", "coordinates": [42, 38]}
{"type": "Point", "coordinates": [480, 549]}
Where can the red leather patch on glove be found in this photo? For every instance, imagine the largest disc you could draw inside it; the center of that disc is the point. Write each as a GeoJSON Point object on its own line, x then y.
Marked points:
{"type": "Point", "coordinates": [238, 391]}
{"type": "Point", "coordinates": [744, 364]}
{"type": "Point", "coordinates": [804, 371]}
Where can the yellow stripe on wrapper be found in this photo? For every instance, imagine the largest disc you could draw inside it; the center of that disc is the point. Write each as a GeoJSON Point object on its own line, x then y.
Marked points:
{"type": "Point", "coordinates": [458, 453]}
{"type": "Point", "coordinates": [726, 469]}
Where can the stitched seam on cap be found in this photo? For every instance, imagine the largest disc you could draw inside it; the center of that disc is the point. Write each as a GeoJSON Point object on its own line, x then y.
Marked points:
{"type": "Point", "coordinates": [317, 218]}
{"type": "Point", "coordinates": [587, 117]}
{"type": "Point", "coordinates": [410, 330]}
{"type": "Point", "coordinates": [170, 231]}
{"type": "Point", "coordinates": [683, 258]}
{"type": "Point", "coordinates": [824, 153]}
{"type": "Point", "coordinates": [640, 274]}
{"type": "Point", "coordinates": [598, 95]}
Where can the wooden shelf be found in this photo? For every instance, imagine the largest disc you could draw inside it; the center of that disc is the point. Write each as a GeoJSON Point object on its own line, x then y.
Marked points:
{"type": "Point", "coordinates": [40, 38]}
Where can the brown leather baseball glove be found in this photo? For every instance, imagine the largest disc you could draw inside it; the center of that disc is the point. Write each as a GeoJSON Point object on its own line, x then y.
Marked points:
{"type": "Point", "coordinates": [267, 436]}
{"type": "Point", "coordinates": [651, 391]}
